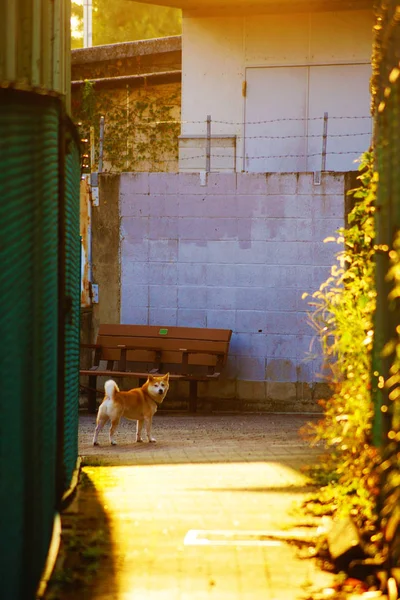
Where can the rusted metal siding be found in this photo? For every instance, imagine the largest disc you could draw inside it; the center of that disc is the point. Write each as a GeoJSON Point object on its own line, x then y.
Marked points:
{"type": "Point", "coordinates": [35, 46]}
{"type": "Point", "coordinates": [86, 237]}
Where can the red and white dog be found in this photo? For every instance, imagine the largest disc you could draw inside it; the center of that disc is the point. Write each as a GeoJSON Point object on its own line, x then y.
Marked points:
{"type": "Point", "coordinates": [138, 404]}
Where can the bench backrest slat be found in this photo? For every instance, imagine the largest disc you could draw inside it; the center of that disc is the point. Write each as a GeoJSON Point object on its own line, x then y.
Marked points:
{"type": "Point", "coordinates": [163, 343]}
{"type": "Point", "coordinates": [170, 340]}
{"type": "Point", "coordinates": [153, 331]}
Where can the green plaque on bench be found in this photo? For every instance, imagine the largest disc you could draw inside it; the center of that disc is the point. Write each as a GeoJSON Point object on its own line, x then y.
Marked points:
{"type": "Point", "coordinates": [163, 331]}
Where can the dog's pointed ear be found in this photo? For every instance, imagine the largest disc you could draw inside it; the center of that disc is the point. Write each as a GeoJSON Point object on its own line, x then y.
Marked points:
{"type": "Point", "coordinates": [151, 378]}
{"type": "Point", "coordinates": [166, 377]}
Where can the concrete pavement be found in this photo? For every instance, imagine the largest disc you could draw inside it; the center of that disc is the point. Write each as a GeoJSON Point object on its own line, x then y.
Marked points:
{"type": "Point", "coordinates": [185, 519]}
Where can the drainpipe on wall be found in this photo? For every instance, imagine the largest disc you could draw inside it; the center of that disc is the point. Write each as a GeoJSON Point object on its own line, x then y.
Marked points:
{"type": "Point", "coordinates": [87, 23]}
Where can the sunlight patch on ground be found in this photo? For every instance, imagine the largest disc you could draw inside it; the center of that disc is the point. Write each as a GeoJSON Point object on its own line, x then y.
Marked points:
{"type": "Point", "coordinates": [151, 509]}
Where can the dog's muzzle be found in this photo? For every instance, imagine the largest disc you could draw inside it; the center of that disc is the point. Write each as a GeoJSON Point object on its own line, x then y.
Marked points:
{"type": "Point", "coordinates": [160, 392]}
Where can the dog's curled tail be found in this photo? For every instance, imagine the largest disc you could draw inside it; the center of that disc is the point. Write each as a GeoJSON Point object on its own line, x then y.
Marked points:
{"type": "Point", "coordinates": [110, 387]}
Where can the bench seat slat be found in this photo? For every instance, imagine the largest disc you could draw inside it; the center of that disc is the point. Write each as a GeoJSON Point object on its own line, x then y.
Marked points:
{"type": "Point", "coordinates": [141, 375]}
{"type": "Point", "coordinates": [106, 373]}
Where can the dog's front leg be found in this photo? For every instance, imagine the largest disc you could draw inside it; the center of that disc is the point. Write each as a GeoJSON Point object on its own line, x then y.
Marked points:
{"type": "Point", "coordinates": [148, 429]}
{"type": "Point", "coordinates": [139, 428]}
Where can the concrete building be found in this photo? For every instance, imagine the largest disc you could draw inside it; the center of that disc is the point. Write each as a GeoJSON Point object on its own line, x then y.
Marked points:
{"type": "Point", "coordinates": [287, 88]}
{"type": "Point", "coordinates": [266, 72]}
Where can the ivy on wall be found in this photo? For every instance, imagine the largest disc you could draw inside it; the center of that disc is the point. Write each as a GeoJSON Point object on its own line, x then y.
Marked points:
{"type": "Point", "coordinates": [142, 126]}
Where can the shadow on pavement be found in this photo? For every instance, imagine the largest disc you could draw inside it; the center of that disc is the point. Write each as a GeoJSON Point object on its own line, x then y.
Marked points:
{"type": "Point", "coordinates": [85, 561]}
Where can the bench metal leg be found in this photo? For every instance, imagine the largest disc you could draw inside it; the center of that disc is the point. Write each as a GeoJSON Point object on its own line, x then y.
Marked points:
{"type": "Point", "coordinates": [92, 403]}
{"type": "Point", "coordinates": [192, 396]}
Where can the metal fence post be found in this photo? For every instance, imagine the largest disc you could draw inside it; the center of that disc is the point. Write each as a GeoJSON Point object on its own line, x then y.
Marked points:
{"type": "Point", "coordinates": [101, 144]}
{"type": "Point", "coordinates": [208, 145]}
{"type": "Point", "coordinates": [127, 128]}
{"type": "Point", "coordinates": [324, 142]}
{"type": "Point", "coordinates": [92, 149]}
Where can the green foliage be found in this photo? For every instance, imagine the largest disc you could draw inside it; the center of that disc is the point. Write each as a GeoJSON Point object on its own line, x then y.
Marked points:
{"type": "Point", "coordinates": [141, 131]}
{"type": "Point", "coordinates": [88, 101]}
{"type": "Point", "coordinates": [343, 310]}
{"type": "Point", "coordinates": [125, 21]}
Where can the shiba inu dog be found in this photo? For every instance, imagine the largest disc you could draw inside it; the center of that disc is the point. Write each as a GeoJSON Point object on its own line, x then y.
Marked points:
{"type": "Point", "coordinates": [138, 404]}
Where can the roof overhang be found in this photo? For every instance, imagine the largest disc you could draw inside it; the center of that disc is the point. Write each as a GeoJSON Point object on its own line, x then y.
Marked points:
{"type": "Point", "coordinates": [244, 7]}
{"type": "Point", "coordinates": [123, 50]}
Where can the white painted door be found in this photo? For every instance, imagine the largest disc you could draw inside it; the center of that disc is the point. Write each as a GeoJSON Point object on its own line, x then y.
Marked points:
{"type": "Point", "coordinates": [343, 92]}
{"type": "Point", "coordinates": [284, 115]}
{"type": "Point", "coordinates": [275, 130]}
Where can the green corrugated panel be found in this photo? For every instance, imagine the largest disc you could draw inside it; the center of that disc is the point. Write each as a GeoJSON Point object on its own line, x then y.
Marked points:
{"type": "Point", "coordinates": [72, 325]}
{"type": "Point", "coordinates": [28, 331]}
{"type": "Point", "coordinates": [386, 86]}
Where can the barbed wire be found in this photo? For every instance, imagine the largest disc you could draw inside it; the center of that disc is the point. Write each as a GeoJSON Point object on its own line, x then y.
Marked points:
{"type": "Point", "coordinates": [147, 123]}
{"type": "Point", "coordinates": [270, 156]}
{"type": "Point", "coordinates": [285, 137]}
{"type": "Point", "coordinates": [259, 122]}
{"type": "Point", "coordinates": [288, 137]}
{"type": "Point", "coordinates": [288, 119]}
{"type": "Point", "coordinates": [300, 136]}
{"type": "Point", "coordinates": [134, 132]}
{"type": "Point", "coordinates": [110, 156]}
{"type": "Point", "coordinates": [264, 122]}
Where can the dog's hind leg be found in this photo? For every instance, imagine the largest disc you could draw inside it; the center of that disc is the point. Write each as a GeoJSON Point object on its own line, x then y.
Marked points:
{"type": "Point", "coordinates": [101, 421]}
{"type": "Point", "coordinates": [113, 428]}
{"type": "Point", "coordinates": [139, 428]}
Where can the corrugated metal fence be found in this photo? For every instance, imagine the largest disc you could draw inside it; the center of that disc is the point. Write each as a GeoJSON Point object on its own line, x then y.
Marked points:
{"type": "Point", "coordinates": [386, 108]}
{"type": "Point", "coordinates": [39, 329]}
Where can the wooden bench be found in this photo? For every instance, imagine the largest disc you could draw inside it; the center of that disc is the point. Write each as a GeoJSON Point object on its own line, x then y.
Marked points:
{"type": "Point", "coordinates": [188, 353]}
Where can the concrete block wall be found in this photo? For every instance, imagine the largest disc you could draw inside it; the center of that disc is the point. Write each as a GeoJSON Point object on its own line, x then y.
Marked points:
{"type": "Point", "coordinates": [234, 250]}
